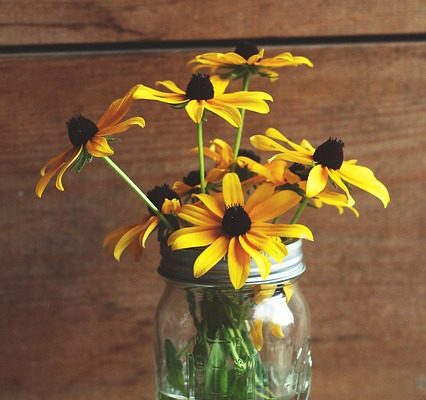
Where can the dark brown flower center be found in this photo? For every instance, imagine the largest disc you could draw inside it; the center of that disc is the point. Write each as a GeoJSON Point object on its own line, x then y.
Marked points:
{"type": "Point", "coordinates": [236, 221]}
{"type": "Point", "coordinates": [199, 88]}
{"type": "Point", "coordinates": [159, 194]}
{"type": "Point", "coordinates": [330, 153]}
{"type": "Point", "coordinates": [81, 130]}
{"type": "Point", "coordinates": [193, 178]}
{"type": "Point", "coordinates": [246, 50]}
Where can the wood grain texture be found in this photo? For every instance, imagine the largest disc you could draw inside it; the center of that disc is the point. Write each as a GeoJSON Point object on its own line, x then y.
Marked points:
{"type": "Point", "coordinates": [76, 325]}
{"type": "Point", "coordinates": [93, 21]}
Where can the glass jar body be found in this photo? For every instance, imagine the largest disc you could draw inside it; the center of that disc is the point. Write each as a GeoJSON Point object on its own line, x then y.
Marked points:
{"type": "Point", "coordinates": [215, 343]}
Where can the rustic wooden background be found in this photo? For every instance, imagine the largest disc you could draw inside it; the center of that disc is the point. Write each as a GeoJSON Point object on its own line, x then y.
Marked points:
{"type": "Point", "coordinates": [76, 325]}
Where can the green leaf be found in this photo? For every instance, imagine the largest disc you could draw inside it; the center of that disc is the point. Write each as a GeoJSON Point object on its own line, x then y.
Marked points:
{"type": "Point", "coordinates": [174, 367]}
{"type": "Point", "coordinates": [217, 369]}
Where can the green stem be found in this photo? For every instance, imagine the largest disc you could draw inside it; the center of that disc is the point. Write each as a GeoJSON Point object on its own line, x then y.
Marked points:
{"type": "Point", "coordinates": [136, 189]}
{"type": "Point", "coordinates": [299, 211]}
{"type": "Point", "coordinates": [239, 134]}
{"type": "Point", "coordinates": [201, 155]}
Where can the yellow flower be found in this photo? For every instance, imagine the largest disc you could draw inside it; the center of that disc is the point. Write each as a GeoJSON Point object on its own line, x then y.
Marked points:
{"type": "Point", "coordinates": [135, 236]}
{"type": "Point", "coordinates": [223, 156]}
{"type": "Point", "coordinates": [89, 139]}
{"type": "Point", "coordinates": [237, 229]}
{"type": "Point", "coordinates": [207, 93]}
{"type": "Point", "coordinates": [272, 310]}
{"type": "Point", "coordinates": [247, 57]}
{"type": "Point", "coordinates": [326, 161]}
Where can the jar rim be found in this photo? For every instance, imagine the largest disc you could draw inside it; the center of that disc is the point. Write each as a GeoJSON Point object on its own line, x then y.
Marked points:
{"type": "Point", "coordinates": [177, 266]}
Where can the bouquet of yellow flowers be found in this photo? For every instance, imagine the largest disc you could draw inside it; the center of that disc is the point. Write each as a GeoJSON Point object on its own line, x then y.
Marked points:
{"type": "Point", "coordinates": [240, 210]}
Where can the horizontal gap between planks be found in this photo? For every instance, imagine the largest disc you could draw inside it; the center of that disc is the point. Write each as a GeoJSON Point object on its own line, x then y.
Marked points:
{"type": "Point", "coordinates": [168, 45]}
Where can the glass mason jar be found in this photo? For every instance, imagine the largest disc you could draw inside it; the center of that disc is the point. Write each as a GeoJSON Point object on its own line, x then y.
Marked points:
{"type": "Point", "coordinates": [215, 343]}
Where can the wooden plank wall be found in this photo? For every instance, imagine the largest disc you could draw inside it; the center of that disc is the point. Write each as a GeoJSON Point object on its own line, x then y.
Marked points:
{"type": "Point", "coordinates": [76, 325]}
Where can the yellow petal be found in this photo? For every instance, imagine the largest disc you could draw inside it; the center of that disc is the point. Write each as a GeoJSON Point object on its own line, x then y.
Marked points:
{"type": "Point", "coordinates": [275, 249]}
{"type": "Point", "coordinates": [122, 126]}
{"type": "Point", "coordinates": [146, 93]}
{"type": "Point", "coordinates": [261, 194]}
{"type": "Point", "coordinates": [170, 206]}
{"type": "Point", "coordinates": [64, 168]}
{"type": "Point", "coordinates": [364, 178]}
{"type": "Point", "coordinates": [254, 166]}
{"type": "Point", "coordinates": [238, 264]}
{"type": "Point", "coordinates": [211, 256]}
{"type": "Point", "coordinates": [262, 292]}
{"type": "Point", "coordinates": [56, 161]}
{"type": "Point", "coordinates": [256, 334]}
{"type": "Point", "coordinates": [149, 227]}
{"type": "Point", "coordinates": [219, 85]}
{"type": "Point", "coordinates": [264, 143]}
{"type": "Point", "coordinates": [127, 239]}
{"type": "Point", "coordinates": [275, 134]}
{"type": "Point", "coordinates": [213, 204]}
{"type": "Point", "coordinates": [195, 110]}
{"type": "Point", "coordinates": [232, 190]}
{"type": "Point", "coordinates": [317, 180]}
{"type": "Point", "coordinates": [283, 230]}
{"type": "Point", "coordinates": [274, 206]}
{"type": "Point", "coordinates": [171, 86]}
{"type": "Point", "coordinates": [98, 146]}
{"type": "Point", "coordinates": [262, 262]}
{"type": "Point", "coordinates": [288, 291]}
{"type": "Point", "coordinates": [335, 177]}
{"type": "Point", "coordinates": [228, 113]}
{"type": "Point", "coordinates": [252, 101]}
{"type": "Point", "coordinates": [194, 236]}
{"type": "Point", "coordinates": [196, 215]}
{"type": "Point", "coordinates": [117, 110]}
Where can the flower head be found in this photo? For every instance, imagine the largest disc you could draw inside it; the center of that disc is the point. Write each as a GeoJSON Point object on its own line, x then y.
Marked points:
{"type": "Point", "coordinates": [135, 236]}
{"type": "Point", "coordinates": [237, 229]}
{"type": "Point", "coordinates": [207, 93]}
{"type": "Point", "coordinates": [327, 161]}
{"type": "Point", "coordinates": [247, 58]}
{"type": "Point", "coordinates": [88, 140]}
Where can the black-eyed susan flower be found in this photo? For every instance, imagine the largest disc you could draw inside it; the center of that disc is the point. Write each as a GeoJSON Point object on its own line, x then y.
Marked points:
{"type": "Point", "coordinates": [247, 58]}
{"type": "Point", "coordinates": [135, 236]}
{"type": "Point", "coordinates": [207, 93]}
{"type": "Point", "coordinates": [237, 229]}
{"type": "Point", "coordinates": [272, 309]}
{"type": "Point", "coordinates": [327, 161]}
{"type": "Point", "coordinates": [89, 140]}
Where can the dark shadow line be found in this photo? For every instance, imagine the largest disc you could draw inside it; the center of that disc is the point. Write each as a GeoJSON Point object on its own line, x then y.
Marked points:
{"type": "Point", "coordinates": [196, 44]}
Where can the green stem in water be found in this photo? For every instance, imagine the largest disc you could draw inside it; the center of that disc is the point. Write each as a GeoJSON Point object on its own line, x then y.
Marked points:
{"type": "Point", "coordinates": [239, 133]}
{"type": "Point", "coordinates": [201, 155]}
{"type": "Point", "coordinates": [299, 211]}
{"type": "Point", "coordinates": [138, 191]}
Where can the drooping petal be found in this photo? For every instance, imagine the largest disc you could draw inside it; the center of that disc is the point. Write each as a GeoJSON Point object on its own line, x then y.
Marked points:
{"type": "Point", "coordinates": [335, 177]}
{"type": "Point", "coordinates": [261, 261]}
{"type": "Point", "coordinates": [150, 226]}
{"type": "Point", "coordinates": [292, 156]}
{"type": "Point", "coordinates": [122, 126]}
{"type": "Point", "coordinates": [98, 146]}
{"type": "Point", "coordinates": [65, 167]}
{"type": "Point", "coordinates": [213, 204]}
{"type": "Point", "coordinates": [194, 236]}
{"type": "Point", "coordinates": [283, 230]}
{"type": "Point", "coordinates": [254, 166]}
{"type": "Point", "coordinates": [114, 236]}
{"type": "Point", "coordinates": [51, 168]}
{"type": "Point", "coordinates": [261, 194]}
{"type": "Point", "coordinates": [196, 215]}
{"type": "Point", "coordinates": [317, 180]}
{"type": "Point", "coordinates": [265, 243]}
{"type": "Point", "coordinates": [195, 110]}
{"type": "Point", "coordinates": [211, 256]}
{"type": "Point", "coordinates": [238, 264]}
{"type": "Point", "coordinates": [364, 178]}
{"type": "Point", "coordinates": [228, 113]}
{"type": "Point", "coordinates": [252, 101]}
{"type": "Point", "coordinates": [126, 240]}
{"type": "Point", "coordinates": [264, 143]}
{"type": "Point", "coordinates": [274, 206]}
{"type": "Point", "coordinates": [232, 190]}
